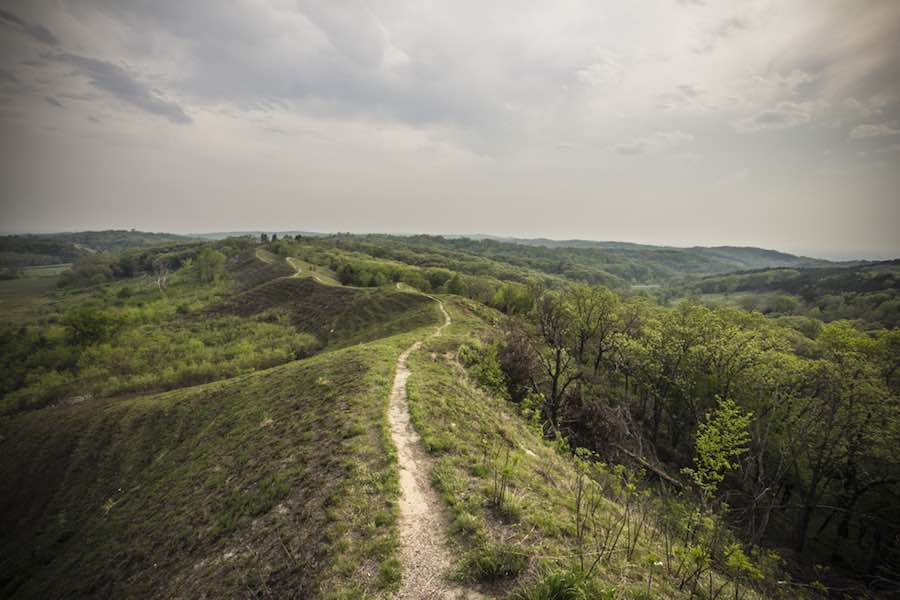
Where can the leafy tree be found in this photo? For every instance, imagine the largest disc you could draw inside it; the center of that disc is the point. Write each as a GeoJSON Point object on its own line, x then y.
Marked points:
{"type": "Point", "coordinates": [210, 265]}
{"type": "Point", "coordinates": [720, 440]}
{"type": "Point", "coordinates": [455, 285]}
{"type": "Point", "coordinates": [87, 325]}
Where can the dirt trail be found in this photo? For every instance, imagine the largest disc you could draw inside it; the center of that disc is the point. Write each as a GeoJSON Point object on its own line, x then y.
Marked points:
{"type": "Point", "coordinates": [424, 549]}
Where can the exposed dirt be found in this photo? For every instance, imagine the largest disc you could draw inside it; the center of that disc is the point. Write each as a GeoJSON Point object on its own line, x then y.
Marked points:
{"type": "Point", "coordinates": [424, 548]}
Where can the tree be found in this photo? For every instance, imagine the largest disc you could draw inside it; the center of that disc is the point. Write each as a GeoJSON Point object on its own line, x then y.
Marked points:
{"type": "Point", "coordinates": [87, 325]}
{"type": "Point", "coordinates": [720, 440]}
{"type": "Point", "coordinates": [558, 366]}
{"type": "Point", "coordinates": [210, 265]}
{"type": "Point", "coordinates": [455, 285]}
{"type": "Point", "coordinates": [264, 238]}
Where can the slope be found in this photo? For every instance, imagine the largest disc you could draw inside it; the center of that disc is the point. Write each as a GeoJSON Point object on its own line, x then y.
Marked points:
{"type": "Point", "coordinates": [336, 315]}
{"type": "Point", "coordinates": [280, 483]}
{"type": "Point", "coordinates": [512, 495]}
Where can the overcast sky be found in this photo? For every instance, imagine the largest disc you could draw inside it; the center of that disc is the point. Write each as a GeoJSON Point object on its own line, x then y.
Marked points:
{"type": "Point", "coordinates": [756, 122]}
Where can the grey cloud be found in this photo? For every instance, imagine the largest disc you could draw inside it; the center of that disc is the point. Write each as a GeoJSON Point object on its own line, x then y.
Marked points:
{"type": "Point", "coordinates": [8, 77]}
{"type": "Point", "coordinates": [684, 96]}
{"type": "Point", "coordinates": [724, 30]}
{"type": "Point", "coordinates": [688, 90]}
{"type": "Point", "coordinates": [324, 62]}
{"type": "Point", "coordinates": [782, 116]}
{"type": "Point", "coordinates": [659, 141]}
{"type": "Point", "coordinates": [120, 83]}
{"type": "Point", "coordinates": [53, 101]}
{"type": "Point", "coordinates": [859, 67]}
{"type": "Point", "coordinates": [873, 131]}
{"type": "Point", "coordinates": [35, 30]}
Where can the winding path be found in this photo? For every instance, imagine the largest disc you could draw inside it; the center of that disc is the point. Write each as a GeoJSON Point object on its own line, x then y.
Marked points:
{"type": "Point", "coordinates": [424, 548]}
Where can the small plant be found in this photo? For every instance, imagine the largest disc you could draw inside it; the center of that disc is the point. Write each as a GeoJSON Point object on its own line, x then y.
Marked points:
{"type": "Point", "coordinates": [501, 476]}
{"type": "Point", "coordinates": [492, 562]}
{"type": "Point", "coordinates": [564, 585]}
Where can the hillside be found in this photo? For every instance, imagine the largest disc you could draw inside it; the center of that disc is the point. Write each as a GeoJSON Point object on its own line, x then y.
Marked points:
{"type": "Point", "coordinates": [375, 417]}
{"type": "Point", "coordinates": [870, 292]}
{"type": "Point", "coordinates": [18, 251]}
{"type": "Point", "coordinates": [279, 483]}
{"type": "Point", "coordinates": [722, 258]}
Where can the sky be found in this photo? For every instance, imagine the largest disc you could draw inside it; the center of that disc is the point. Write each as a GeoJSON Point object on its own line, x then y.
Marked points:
{"type": "Point", "coordinates": [772, 123]}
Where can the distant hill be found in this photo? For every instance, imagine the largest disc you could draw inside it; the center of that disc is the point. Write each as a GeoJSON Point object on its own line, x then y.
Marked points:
{"type": "Point", "coordinates": [51, 248]}
{"type": "Point", "coordinates": [730, 258]}
{"type": "Point", "coordinates": [221, 235]}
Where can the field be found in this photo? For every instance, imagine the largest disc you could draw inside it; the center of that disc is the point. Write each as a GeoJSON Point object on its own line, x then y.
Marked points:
{"type": "Point", "coordinates": [21, 298]}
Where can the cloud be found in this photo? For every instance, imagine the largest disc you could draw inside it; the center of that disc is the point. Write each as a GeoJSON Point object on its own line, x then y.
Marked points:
{"type": "Point", "coordinates": [36, 31]}
{"type": "Point", "coordinates": [685, 96]}
{"type": "Point", "coordinates": [53, 101]}
{"type": "Point", "coordinates": [120, 83]}
{"type": "Point", "coordinates": [782, 116]}
{"type": "Point", "coordinates": [725, 29]}
{"type": "Point", "coordinates": [873, 131]}
{"type": "Point", "coordinates": [655, 143]}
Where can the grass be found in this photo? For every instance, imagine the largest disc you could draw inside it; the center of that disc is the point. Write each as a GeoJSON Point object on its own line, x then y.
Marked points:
{"type": "Point", "coordinates": [278, 483]}
{"type": "Point", "coordinates": [335, 315]}
{"type": "Point", "coordinates": [319, 273]}
{"type": "Point", "coordinates": [24, 298]}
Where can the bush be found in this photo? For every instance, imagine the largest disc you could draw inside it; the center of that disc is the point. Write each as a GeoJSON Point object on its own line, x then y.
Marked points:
{"type": "Point", "coordinates": [484, 366]}
{"type": "Point", "coordinates": [88, 325]}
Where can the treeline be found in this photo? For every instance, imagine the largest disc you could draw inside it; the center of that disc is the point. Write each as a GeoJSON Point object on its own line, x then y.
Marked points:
{"type": "Point", "coordinates": [869, 292]}
{"type": "Point", "coordinates": [817, 472]}
{"type": "Point", "coordinates": [157, 262]}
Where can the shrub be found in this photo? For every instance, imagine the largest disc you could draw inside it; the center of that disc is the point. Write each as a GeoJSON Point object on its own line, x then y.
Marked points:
{"type": "Point", "coordinates": [87, 325]}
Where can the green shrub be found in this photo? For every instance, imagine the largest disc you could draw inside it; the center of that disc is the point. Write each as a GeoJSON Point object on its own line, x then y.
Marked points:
{"type": "Point", "coordinates": [484, 367]}
{"type": "Point", "coordinates": [87, 325]}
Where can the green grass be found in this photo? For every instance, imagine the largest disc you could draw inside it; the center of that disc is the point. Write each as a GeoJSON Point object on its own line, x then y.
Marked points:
{"type": "Point", "coordinates": [336, 315]}
{"type": "Point", "coordinates": [319, 273]}
{"type": "Point", "coordinates": [278, 483]}
{"type": "Point", "coordinates": [25, 297]}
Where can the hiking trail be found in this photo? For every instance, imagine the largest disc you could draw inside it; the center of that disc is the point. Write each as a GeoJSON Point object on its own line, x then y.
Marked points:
{"type": "Point", "coordinates": [424, 548]}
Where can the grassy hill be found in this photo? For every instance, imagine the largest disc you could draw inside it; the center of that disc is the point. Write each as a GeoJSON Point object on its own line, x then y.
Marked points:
{"type": "Point", "coordinates": [280, 483]}
{"type": "Point", "coordinates": [334, 314]}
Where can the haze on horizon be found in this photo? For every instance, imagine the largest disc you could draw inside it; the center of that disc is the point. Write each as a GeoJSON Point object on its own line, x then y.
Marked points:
{"type": "Point", "coordinates": [772, 123]}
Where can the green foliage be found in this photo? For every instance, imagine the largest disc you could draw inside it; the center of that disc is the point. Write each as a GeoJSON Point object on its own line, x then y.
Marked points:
{"type": "Point", "coordinates": [484, 367]}
{"type": "Point", "coordinates": [87, 325]}
{"type": "Point", "coordinates": [720, 440]}
{"type": "Point", "coordinates": [88, 269]}
{"type": "Point", "coordinates": [210, 265]}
